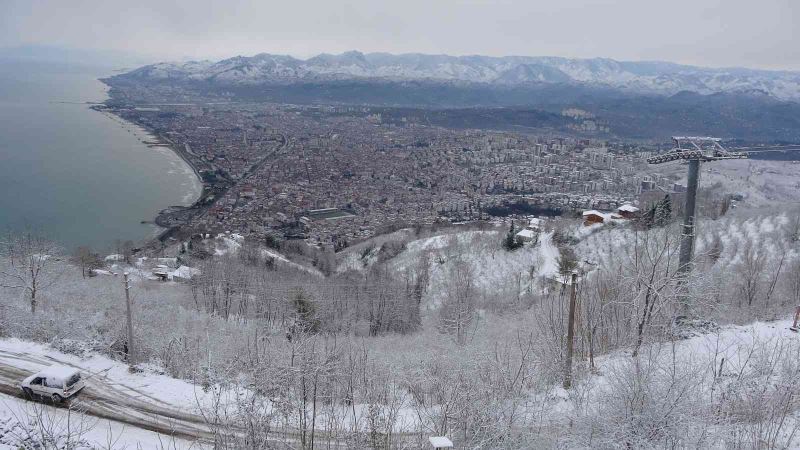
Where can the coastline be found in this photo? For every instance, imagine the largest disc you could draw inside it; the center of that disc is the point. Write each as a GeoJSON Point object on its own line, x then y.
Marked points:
{"type": "Point", "coordinates": [163, 221]}
{"type": "Point", "coordinates": [158, 141]}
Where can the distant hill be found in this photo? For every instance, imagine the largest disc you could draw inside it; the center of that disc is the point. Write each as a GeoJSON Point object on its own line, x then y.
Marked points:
{"type": "Point", "coordinates": [637, 77]}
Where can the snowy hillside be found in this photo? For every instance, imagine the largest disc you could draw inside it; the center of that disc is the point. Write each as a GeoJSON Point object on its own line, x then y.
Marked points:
{"type": "Point", "coordinates": [640, 77]}
{"type": "Point", "coordinates": [477, 255]}
{"type": "Point", "coordinates": [713, 390]}
{"type": "Point", "coordinates": [679, 390]}
{"type": "Point", "coordinates": [500, 275]}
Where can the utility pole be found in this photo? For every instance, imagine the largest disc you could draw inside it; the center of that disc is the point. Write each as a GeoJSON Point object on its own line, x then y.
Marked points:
{"type": "Point", "coordinates": [573, 294]}
{"type": "Point", "coordinates": [699, 149]}
{"type": "Point", "coordinates": [129, 319]}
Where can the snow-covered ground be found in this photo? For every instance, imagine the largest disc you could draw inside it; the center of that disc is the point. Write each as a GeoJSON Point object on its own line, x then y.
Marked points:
{"type": "Point", "coordinates": [147, 386]}
{"type": "Point", "coordinates": [764, 232]}
{"type": "Point", "coordinates": [732, 346]}
{"type": "Point", "coordinates": [479, 252]}
{"type": "Point", "coordinates": [25, 424]}
{"type": "Point", "coordinates": [143, 400]}
{"type": "Point", "coordinates": [132, 396]}
{"type": "Point", "coordinates": [716, 360]}
{"type": "Point", "coordinates": [741, 374]}
{"type": "Point", "coordinates": [230, 243]}
{"type": "Point", "coordinates": [762, 183]}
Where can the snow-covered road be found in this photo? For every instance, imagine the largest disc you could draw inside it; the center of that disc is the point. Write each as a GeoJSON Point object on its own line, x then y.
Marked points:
{"type": "Point", "coordinates": [156, 403]}
{"type": "Point", "coordinates": [108, 399]}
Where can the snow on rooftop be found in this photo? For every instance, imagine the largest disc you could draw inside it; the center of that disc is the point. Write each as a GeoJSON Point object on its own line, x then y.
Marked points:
{"type": "Point", "coordinates": [440, 442]}
{"type": "Point", "coordinates": [184, 272]}
{"type": "Point", "coordinates": [527, 233]}
{"type": "Point", "coordinates": [604, 215]}
{"type": "Point", "coordinates": [628, 208]}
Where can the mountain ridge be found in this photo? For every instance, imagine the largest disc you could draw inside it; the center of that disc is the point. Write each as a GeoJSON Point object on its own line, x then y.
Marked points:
{"type": "Point", "coordinates": [644, 77]}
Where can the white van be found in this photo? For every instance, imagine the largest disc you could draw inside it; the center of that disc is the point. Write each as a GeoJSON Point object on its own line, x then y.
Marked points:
{"type": "Point", "coordinates": [57, 383]}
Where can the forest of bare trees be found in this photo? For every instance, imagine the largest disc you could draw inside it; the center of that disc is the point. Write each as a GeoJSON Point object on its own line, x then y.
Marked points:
{"type": "Point", "coordinates": [416, 344]}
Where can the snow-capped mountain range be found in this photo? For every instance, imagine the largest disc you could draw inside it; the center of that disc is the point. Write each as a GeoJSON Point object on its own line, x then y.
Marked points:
{"type": "Point", "coordinates": [639, 77]}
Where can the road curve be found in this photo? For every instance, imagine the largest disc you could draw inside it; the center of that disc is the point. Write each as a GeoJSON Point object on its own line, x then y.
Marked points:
{"type": "Point", "coordinates": [101, 399]}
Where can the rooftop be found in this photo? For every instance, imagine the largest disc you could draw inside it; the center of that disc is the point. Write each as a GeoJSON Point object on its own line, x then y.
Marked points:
{"type": "Point", "coordinates": [440, 442]}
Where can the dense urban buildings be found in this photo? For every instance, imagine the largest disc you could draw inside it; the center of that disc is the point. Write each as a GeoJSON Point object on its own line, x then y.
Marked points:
{"type": "Point", "coordinates": [336, 174]}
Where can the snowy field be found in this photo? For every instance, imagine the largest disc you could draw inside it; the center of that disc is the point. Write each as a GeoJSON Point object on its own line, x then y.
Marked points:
{"type": "Point", "coordinates": [762, 183]}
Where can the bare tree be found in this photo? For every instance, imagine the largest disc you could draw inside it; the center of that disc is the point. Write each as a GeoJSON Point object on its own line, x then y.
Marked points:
{"type": "Point", "coordinates": [793, 227]}
{"type": "Point", "coordinates": [86, 260]}
{"type": "Point", "coordinates": [716, 248]}
{"type": "Point", "coordinates": [751, 271]}
{"type": "Point", "coordinates": [29, 264]}
{"type": "Point", "coordinates": [792, 282]}
{"type": "Point", "coordinates": [458, 309]}
{"type": "Point", "coordinates": [127, 251]}
{"type": "Point", "coordinates": [654, 279]}
{"type": "Point", "coordinates": [567, 261]}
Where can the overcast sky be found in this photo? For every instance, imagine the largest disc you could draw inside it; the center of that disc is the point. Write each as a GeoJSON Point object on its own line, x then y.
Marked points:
{"type": "Point", "coordinates": [748, 33]}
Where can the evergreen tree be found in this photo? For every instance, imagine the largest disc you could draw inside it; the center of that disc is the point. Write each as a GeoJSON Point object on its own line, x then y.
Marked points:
{"type": "Point", "coordinates": [649, 218]}
{"type": "Point", "coordinates": [306, 320]}
{"type": "Point", "coordinates": [663, 211]}
{"type": "Point", "coordinates": [510, 242]}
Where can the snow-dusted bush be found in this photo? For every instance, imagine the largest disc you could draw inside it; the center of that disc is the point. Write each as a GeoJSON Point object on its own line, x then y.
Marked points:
{"type": "Point", "coordinates": [36, 427]}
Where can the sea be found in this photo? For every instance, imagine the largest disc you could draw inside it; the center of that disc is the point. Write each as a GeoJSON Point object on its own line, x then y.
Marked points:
{"type": "Point", "coordinates": [75, 175]}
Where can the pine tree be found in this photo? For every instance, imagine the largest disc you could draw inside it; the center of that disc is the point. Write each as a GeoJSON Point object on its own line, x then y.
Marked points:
{"type": "Point", "coordinates": [649, 218]}
{"type": "Point", "coordinates": [306, 320]}
{"type": "Point", "coordinates": [663, 211]}
{"type": "Point", "coordinates": [510, 242]}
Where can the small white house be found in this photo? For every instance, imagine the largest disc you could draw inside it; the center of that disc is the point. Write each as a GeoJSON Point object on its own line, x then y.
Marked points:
{"type": "Point", "coordinates": [527, 235]}
{"type": "Point", "coordinates": [116, 257]}
{"type": "Point", "coordinates": [184, 273]}
{"type": "Point", "coordinates": [530, 232]}
{"type": "Point", "coordinates": [438, 442]}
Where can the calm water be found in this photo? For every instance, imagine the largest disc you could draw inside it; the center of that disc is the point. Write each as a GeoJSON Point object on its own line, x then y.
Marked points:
{"type": "Point", "coordinates": [79, 176]}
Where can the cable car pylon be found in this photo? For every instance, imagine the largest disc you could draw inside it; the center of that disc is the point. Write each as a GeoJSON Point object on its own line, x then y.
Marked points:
{"type": "Point", "coordinates": [694, 150]}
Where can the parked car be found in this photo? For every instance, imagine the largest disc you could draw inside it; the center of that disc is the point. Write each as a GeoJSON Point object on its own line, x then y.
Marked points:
{"type": "Point", "coordinates": [57, 383]}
